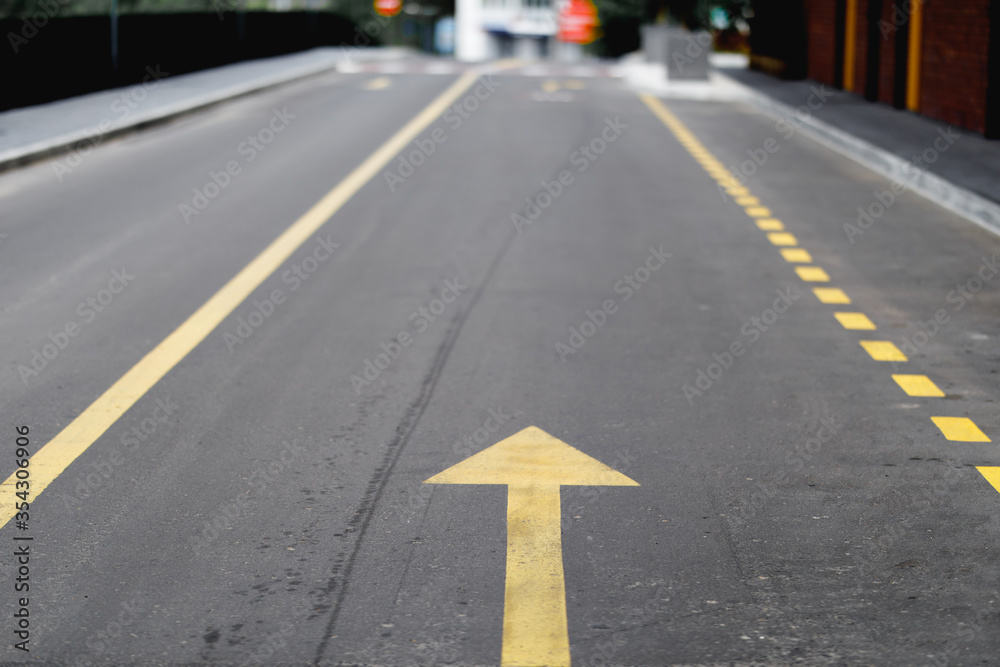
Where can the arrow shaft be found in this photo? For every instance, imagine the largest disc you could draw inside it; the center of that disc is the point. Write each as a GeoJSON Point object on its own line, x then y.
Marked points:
{"type": "Point", "coordinates": [535, 631]}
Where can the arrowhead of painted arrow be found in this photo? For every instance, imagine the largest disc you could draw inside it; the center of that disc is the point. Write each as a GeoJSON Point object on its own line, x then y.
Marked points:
{"type": "Point", "coordinates": [532, 457]}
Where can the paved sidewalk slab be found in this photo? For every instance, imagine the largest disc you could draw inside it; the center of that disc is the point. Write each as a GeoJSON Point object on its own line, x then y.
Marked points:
{"type": "Point", "coordinates": [953, 167]}
{"type": "Point", "coordinates": [34, 132]}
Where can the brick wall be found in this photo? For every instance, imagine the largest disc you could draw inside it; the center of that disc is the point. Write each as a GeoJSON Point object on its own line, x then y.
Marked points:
{"type": "Point", "coordinates": [891, 28]}
{"type": "Point", "coordinates": [821, 19]}
{"type": "Point", "coordinates": [861, 60]}
{"type": "Point", "coordinates": [953, 75]}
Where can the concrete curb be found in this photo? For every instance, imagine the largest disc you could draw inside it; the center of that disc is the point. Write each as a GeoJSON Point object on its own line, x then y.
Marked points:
{"type": "Point", "coordinates": [64, 143]}
{"type": "Point", "coordinates": [958, 200]}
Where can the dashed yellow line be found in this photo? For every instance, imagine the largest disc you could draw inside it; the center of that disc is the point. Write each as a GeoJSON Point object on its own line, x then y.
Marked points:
{"type": "Point", "coordinates": [992, 475]}
{"type": "Point", "coordinates": [918, 385]}
{"type": "Point", "coordinates": [812, 274]}
{"type": "Point", "coordinates": [960, 429]}
{"type": "Point", "coordinates": [782, 238]}
{"type": "Point", "coordinates": [854, 320]}
{"type": "Point", "coordinates": [796, 255]}
{"type": "Point", "coordinates": [883, 350]}
{"type": "Point", "coordinates": [831, 295]}
{"type": "Point", "coordinates": [954, 428]}
{"type": "Point", "coordinates": [378, 83]}
{"type": "Point", "coordinates": [758, 211]}
{"type": "Point", "coordinates": [770, 225]}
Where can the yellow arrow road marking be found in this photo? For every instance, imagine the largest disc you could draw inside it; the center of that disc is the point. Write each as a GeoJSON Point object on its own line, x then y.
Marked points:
{"type": "Point", "coordinates": [52, 459]}
{"type": "Point", "coordinates": [533, 465]}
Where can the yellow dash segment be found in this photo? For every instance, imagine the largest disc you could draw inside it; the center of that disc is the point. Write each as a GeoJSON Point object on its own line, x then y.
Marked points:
{"type": "Point", "coordinates": [854, 320]}
{"type": "Point", "coordinates": [378, 83]}
{"type": "Point", "coordinates": [770, 225]}
{"type": "Point", "coordinates": [782, 238]}
{"type": "Point", "coordinates": [812, 274]}
{"type": "Point", "coordinates": [52, 459]}
{"type": "Point", "coordinates": [992, 475]}
{"type": "Point", "coordinates": [550, 86]}
{"type": "Point", "coordinates": [758, 211]}
{"type": "Point", "coordinates": [918, 385]}
{"type": "Point", "coordinates": [831, 295]}
{"type": "Point", "coordinates": [796, 255]}
{"type": "Point", "coordinates": [883, 350]}
{"type": "Point", "coordinates": [747, 201]}
{"type": "Point", "coordinates": [738, 191]}
{"type": "Point", "coordinates": [960, 429]}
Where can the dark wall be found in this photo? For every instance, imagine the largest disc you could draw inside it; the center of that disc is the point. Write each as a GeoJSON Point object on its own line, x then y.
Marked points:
{"type": "Point", "coordinates": [71, 56]}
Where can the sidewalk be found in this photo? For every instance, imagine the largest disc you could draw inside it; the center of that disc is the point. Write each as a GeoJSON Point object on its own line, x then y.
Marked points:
{"type": "Point", "coordinates": [34, 132]}
{"type": "Point", "coordinates": [953, 167]}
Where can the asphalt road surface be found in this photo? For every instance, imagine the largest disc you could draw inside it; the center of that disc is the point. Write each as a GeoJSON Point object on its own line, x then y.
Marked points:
{"type": "Point", "coordinates": [247, 486]}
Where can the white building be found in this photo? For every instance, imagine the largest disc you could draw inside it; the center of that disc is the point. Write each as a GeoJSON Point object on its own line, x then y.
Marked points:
{"type": "Point", "coordinates": [488, 29]}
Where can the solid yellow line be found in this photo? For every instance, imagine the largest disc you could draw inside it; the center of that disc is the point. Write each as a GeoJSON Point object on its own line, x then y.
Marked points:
{"type": "Point", "coordinates": [850, 42]}
{"type": "Point", "coordinates": [796, 255]}
{"type": "Point", "coordinates": [831, 295]}
{"type": "Point", "coordinates": [918, 385]}
{"type": "Point", "coordinates": [913, 56]}
{"type": "Point", "coordinates": [960, 429]}
{"type": "Point", "coordinates": [52, 459]}
{"type": "Point", "coordinates": [535, 630]}
{"type": "Point", "coordinates": [854, 320]}
{"type": "Point", "coordinates": [883, 350]}
{"type": "Point", "coordinates": [992, 475]}
{"type": "Point", "coordinates": [812, 274]}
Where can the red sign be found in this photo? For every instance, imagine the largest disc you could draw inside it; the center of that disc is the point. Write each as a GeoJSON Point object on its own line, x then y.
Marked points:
{"type": "Point", "coordinates": [388, 7]}
{"type": "Point", "coordinates": [578, 22]}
